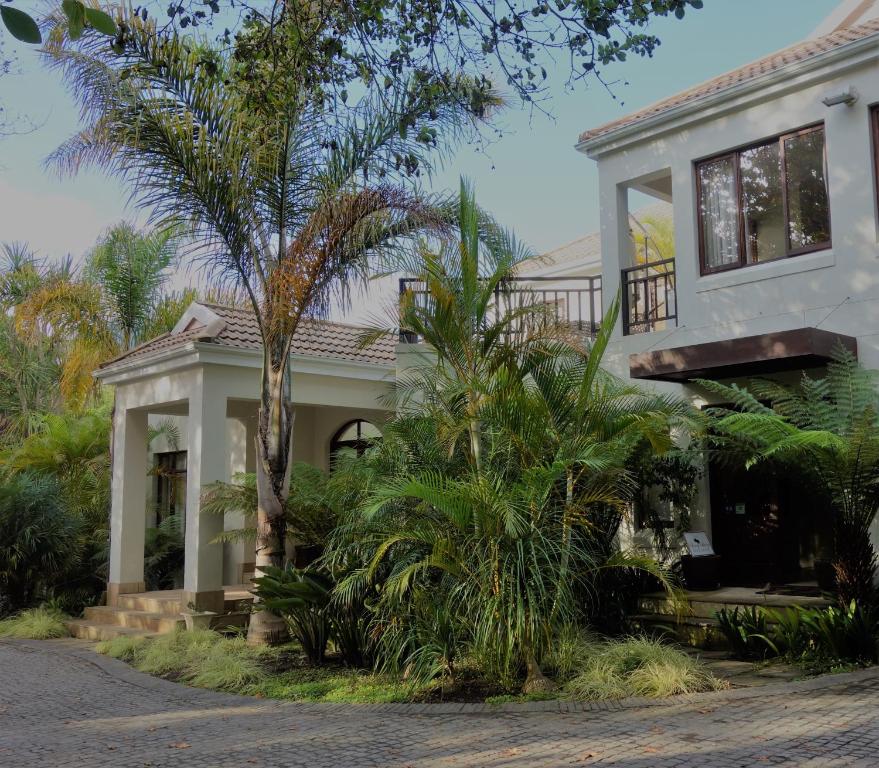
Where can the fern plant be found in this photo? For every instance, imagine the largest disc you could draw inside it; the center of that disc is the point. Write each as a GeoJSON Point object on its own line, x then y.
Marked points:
{"type": "Point", "coordinates": [830, 425]}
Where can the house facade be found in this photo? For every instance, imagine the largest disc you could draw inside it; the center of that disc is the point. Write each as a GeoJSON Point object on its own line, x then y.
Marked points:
{"type": "Point", "coordinates": [771, 174]}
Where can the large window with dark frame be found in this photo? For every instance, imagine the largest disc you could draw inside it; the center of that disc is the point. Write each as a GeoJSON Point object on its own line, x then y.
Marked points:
{"type": "Point", "coordinates": [762, 202]}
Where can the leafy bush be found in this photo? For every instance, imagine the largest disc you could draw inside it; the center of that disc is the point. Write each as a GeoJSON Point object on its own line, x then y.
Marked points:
{"type": "Point", "coordinates": [38, 539]}
{"type": "Point", "coordinates": [301, 598]}
{"type": "Point", "coordinates": [35, 624]}
{"type": "Point", "coordinates": [639, 666]}
{"type": "Point", "coordinates": [847, 634]}
{"type": "Point", "coordinates": [832, 634]}
{"type": "Point", "coordinates": [747, 632]}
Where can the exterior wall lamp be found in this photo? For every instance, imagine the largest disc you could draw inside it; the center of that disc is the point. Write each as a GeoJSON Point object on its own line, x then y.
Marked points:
{"type": "Point", "coordinates": [847, 97]}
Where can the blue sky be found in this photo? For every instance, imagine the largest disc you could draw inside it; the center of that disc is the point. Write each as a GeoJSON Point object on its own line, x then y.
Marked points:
{"type": "Point", "coordinates": [531, 179]}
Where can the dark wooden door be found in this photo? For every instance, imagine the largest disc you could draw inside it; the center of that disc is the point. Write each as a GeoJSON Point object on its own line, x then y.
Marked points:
{"type": "Point", "coordinates": [755, 525]}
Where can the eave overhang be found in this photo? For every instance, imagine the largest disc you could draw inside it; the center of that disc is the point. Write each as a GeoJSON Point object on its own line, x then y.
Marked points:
{"type": "Point", "coordinates": [748, 356]}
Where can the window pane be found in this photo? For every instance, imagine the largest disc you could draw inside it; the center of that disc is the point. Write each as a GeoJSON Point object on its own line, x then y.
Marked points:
{"type": "Point", "coordinates": [808, 209]}
{"type": "Point", "coordinates": [762, 203]}
{"type": "Point", "coordinates": [369, 431]}
{"type": "Point", "coordinates": [719, 210]}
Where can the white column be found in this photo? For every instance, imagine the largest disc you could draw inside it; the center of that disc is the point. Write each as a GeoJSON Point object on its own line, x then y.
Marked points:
{"type": "Point", "coordinates": [128, 503]}
{"type": "Point", "coordinates": [206, 463]}
{"type": "Point", "coordinates": [616, 242]}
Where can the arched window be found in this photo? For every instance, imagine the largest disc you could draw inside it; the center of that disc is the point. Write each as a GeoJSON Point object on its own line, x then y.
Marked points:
{"type": "Point", "coordinates": [356, 435]}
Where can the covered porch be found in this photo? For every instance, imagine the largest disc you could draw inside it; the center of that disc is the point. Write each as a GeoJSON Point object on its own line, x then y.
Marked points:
{"type": "Point", "coordinates": [203, 378]}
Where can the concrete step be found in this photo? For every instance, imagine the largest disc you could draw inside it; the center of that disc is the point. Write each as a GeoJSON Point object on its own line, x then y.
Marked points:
{"type": "Point", "coordinates": [707, 608]}
{"type": "Point", "coordinates": [695, 631]}
{"type": "Point", "coordinates": [151, 622]}
{"type": "Point", "coordinates": [86, 630]}
{"type": "Point", "coordinates": [167, 604]}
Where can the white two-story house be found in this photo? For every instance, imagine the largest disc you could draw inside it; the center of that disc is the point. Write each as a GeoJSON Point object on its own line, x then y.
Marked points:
{"type": "Point", "coordinates": [771, 172]}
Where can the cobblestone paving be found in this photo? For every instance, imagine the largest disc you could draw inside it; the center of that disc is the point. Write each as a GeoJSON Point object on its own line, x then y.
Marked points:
{"type": "Point", "coordinates": [61, 705]}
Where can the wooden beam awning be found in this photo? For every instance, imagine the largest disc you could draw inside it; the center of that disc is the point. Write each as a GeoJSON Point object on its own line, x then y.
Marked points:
{"type": "Point", "coordinates": [749, 356]}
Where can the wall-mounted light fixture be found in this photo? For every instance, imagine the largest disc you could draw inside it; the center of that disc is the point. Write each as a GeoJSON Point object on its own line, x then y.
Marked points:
{"type": "Point", "coordinates": [847, 97]}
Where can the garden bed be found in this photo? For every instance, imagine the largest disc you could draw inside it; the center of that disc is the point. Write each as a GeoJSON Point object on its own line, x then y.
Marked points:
{"type": "Point", "coordinates": [592, 670]}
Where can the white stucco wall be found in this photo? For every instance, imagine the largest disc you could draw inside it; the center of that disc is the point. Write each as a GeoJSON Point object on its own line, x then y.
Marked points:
{"type": "Point", "coordinates": [835, 290]}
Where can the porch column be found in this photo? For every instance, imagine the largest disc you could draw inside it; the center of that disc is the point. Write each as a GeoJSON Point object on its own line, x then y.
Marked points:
{"type": "Point", "coordinates": [128, 503]}
{"type": "Point", "coordinates": [206, 463]}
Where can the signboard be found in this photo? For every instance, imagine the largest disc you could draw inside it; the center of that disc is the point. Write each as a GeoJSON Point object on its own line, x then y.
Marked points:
{"type": "Point", "coordinates": [698, 544]}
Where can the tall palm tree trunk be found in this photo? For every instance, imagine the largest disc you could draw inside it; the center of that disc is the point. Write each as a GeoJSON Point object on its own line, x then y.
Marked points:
{"type": "Point", "coordinates": [274, 447]}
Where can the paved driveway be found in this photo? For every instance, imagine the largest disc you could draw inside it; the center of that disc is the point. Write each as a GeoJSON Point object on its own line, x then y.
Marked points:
{"type": "Point", "coordinates": [61, 705]}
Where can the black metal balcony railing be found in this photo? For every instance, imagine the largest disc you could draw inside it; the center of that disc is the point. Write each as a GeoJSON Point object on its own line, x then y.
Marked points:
{"type": "Point", "coordinates": [575, 301]}
{"type": "Point", "coordinates": [649, 297]}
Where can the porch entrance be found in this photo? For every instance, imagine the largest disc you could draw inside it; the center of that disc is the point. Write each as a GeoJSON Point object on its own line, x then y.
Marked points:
{"type": "Point", "coordinates": [768, 524]}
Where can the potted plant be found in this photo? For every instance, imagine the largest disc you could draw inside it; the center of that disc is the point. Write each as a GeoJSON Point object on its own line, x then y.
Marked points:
{"type": "Point", "coordinates": [196, 619]}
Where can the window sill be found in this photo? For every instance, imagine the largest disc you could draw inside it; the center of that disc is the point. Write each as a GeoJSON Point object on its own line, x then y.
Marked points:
{"type": "Point", "coordinates": [757, 272]}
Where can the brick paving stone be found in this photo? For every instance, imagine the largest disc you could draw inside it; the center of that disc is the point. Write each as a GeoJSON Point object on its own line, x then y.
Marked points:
{"type": "Point", "coordinates": [62, 705]}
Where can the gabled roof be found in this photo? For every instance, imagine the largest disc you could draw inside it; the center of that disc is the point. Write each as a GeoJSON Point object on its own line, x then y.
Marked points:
{"type": "Point", "coordinates": [774, 62]}
{"type": "Point", "coordinates": [237, 328]}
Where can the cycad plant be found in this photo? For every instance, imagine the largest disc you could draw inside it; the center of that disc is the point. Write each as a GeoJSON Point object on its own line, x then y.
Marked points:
{"type": "Point", "coordinates": [828, 425]}
{"type": "Point", "coordinates": [286, 195]}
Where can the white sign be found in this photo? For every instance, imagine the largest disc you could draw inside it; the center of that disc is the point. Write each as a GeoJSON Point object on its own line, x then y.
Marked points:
{"type": "Point", "coordinates": [698, 543]}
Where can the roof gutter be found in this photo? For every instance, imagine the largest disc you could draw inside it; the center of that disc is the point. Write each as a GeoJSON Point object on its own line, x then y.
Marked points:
{"type": "Point", "coordinates": [592, 147]}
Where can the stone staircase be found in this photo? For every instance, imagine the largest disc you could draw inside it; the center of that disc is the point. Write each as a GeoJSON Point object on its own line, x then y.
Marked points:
{"type": "Point", "coordinates": [697, 627]}
{"type": "Point", "coordinates": [148, 614]}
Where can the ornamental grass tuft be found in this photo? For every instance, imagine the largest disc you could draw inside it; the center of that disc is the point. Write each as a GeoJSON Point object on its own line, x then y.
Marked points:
{"type": "Point", "coordinates": [35, 624]}
{"type": "Point", "coordinates": [639, 666]}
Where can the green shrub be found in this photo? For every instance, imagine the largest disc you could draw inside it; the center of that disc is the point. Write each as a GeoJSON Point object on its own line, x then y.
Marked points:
{"type": "Point", "coordinates": [639, 666]}
{"type": "Point", "coordinates": [38, 539]}
{"type": "Point", "coordinates": [747, 632]}
{"type": "Point", "coordinates": [35, 624]}
{"type": "Point", "coordinates": [844, 634]}
{"type": "Point", "coordinates": [301, 598]}
{"type": "Point", "coordinates": [817, 637]}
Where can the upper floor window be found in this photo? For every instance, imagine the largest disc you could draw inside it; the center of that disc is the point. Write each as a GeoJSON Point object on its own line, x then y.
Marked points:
{"type": "Point", "coordinates": [763, 202]}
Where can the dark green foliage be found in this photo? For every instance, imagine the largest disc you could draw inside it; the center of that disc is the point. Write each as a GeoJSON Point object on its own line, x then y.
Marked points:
{"type": "Point", "coordinates": [302, 599]}
{"type": "Point", "coordinates": [847, 633]}
{"type": "Point", "coordinates": [38, 541]}
{"type": "Point", "coordinates": [825, 636]}
{"type": "Point", "coordinates": [746, 630]}
{"type": "Point", "coordinates": [164, 554]}
{"type": "Point", "coordinates": [71, 453]}
{"type": "Point", "coordinates": [382, 40]}
{"type": "Point", "coordinates": [831, 425]}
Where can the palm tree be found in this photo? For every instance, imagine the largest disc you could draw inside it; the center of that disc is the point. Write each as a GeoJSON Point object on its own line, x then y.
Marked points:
{"type": "Point", "coordinates": [285, 196]}
{"type": "Point", "coordinates": [460, 313]}
{"type": "Point", "coordinates": [831, 426]}
{"type": "Point", "coordinates": [489, 486]}
{"type": "Point", "coordinates": [105, 309]}
{"type": "Point", "coordinates": [28, 363]}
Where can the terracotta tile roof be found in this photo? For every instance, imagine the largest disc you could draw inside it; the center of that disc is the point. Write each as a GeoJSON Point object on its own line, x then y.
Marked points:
{"type": "Point", "coordinates": [314, 338]}
{"type": "Point", "coordinates": [768, 64]}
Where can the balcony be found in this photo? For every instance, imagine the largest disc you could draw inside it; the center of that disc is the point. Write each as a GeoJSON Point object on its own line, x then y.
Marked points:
{"type": "Point", "coordinates": [572, 301]}
{"type": "Point", "coordinates": [649, 297]}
